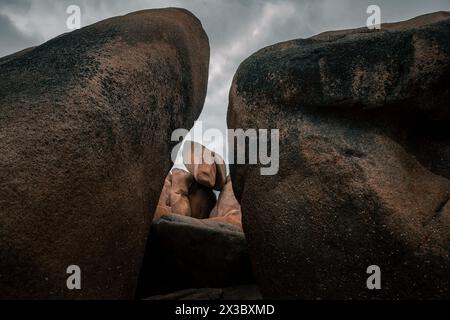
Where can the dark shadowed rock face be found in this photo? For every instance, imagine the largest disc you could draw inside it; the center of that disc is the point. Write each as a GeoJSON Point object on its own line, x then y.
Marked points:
{"type": "Point", "coordinates": [364, 162]}
{"type": "Point", "coordinates": [185, 252]}
{"type": "Point", "coordinates": [244, 292]}
{"type": "Point", "coordinates": [85, 125]}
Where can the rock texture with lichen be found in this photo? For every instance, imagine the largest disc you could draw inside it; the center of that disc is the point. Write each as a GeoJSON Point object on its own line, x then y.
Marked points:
{"type": "Point", "coordinates": [364, 177]}
{"type": "Point", "coordinates": [85, 126]}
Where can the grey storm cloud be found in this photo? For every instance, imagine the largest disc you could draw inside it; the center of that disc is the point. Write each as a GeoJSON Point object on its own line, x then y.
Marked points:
{"type": "Point", "coordinates": [11, 39]}
{"type": "Point", "coordinates": [236, 28]}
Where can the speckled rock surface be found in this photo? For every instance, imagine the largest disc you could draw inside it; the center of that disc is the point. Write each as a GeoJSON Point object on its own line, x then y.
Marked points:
{"type": "Point", "coordinates": [85, 126]}
{"type": "Point", "coordinates": [364, 175]}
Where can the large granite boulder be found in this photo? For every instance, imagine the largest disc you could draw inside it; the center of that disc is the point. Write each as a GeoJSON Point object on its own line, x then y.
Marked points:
{"type": "Point", "coordinates": [207, 166]}
{"type": "Point", "coordinates": [183, 195]}
{"type": "Point", "coordinates": [189, 191]}
{"type": "Point", "coordinates": [185, 252]}
{"type": "Point", "coordinates": [227, 208]}
{"type": "Point", "coordinates": [364, 175]}
{"type": "Point", "coordinates": [85, 126]}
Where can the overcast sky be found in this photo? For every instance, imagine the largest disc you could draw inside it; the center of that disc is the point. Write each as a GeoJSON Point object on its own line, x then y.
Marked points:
{"type": "Point", "coordinates": [236, 28]}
